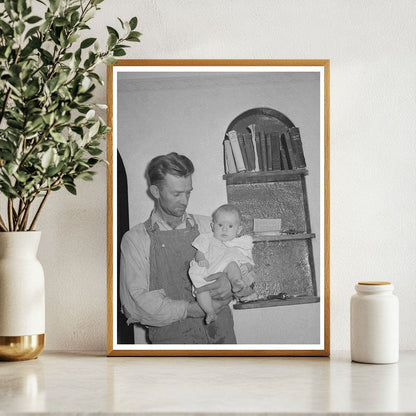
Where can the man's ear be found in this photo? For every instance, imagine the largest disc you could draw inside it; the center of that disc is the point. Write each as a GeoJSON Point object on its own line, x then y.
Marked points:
{"type": "Point", "coordinates": [212, 227]}
{"type": "Point", "coordinates": [154, 190]}
{"type": "Point", "coordinates": [240, 228]}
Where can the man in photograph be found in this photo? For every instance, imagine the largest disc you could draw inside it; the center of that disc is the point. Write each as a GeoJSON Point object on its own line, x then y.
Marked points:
{"type": "Point", "coordinates": [155, 288]}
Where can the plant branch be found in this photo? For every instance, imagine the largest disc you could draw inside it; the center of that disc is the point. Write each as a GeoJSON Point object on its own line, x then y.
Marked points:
{"type": "Point", "coordinates": [2, 225]}
{"type": "Point", "coordinates": [38, 211]}
{"type": "Point", "coordinates": [6, 99]}
{"type": "Point", "coordinates": [10, 213]}
{"type": "Point", "coordinates": [26, 216]}
{"type": "Point", "coordinates": [19, 215]}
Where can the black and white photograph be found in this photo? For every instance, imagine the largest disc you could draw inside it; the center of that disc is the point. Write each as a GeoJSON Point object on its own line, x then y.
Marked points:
{"type": "Point", "coordinates": [218, 203]}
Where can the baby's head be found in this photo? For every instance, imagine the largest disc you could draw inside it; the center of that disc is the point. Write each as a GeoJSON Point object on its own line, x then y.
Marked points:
{"type": "Point", "coordinates": [226, 222]}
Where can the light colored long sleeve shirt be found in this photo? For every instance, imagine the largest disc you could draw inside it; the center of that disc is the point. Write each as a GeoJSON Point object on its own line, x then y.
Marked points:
{"type": "Point", "coordinates": [139, 304]}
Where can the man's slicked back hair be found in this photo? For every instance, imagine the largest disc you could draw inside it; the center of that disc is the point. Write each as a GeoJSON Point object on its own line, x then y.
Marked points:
{"type": "Point", "coordinates": [172, 163]}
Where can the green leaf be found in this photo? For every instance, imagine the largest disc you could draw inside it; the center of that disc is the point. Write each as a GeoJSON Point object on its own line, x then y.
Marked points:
{"type": "Point", "coordinates": [53, 83]}
{"type": "Point", "coordinates": [20, 28]}
{"type": "Point", "coordinates": [31, 90]}
{"type": "Point", "coordinates": [63, 41]}
{"type": "Point", "coordinates": [7, 29]}
{"type": "Point", "coordinates": [94, 129]}
{"type": "Point", "coordinates": [21, 5]}
{"type": "Point", "coordinates": [8, 191]}
{"type": "Point", "coordinates": [110, 60]}
{"type": "Point", "coordinates": [134, 37]}
{"type": "Point", "coordinates": [60, 138]}
{"type": "Point", "coordinates": [67, 153]}
{"type": "Point", "coordinates": [16, 124]}
{"type": "Point", "coordinates": [92, 161]}
{"type": "Point", "coordinates": [47, 158]}
{"type": "Point", "coordinates": [52, 171]}
{"type": "Point", "coordinates": [10, 7]}
{"type": "Point", "coordinates": [82, 98]}
{"type": "Point", "coordinates": [33, 19]}
{"type": "Point", "coordinates": [119, 52]}
{"type": "Point", "coordinates": [74, 18]}
{"type": "Point", "coordinates": [31, 32]}
{"type": "Point", "coordinates": [88, 16]}
{"type": "Point", "coordinates": [11, 168]}
{"type": "Point", "coordinates": [90, 115]}
{"type": "Point", "coordinates": [70, 188]}
{"type": "Point", "coordinates": [4, 145]}
{"type": "Point", "coordinates": [86, 176]}
{"type": "Point", "coordinates": [87, 42]}
{"type": "Point", "coordinates": [112, 41]}
{"type": "Point", "coordinates": [94, 151]}
{"type": "Point", "coordinates": [48, 118]}
{"type": "Point", "coordinates": [121, 22]}
{"type": "Point", "coordinates": [35, 125]}
{"type": "Point", "coordinates": [61, 21]}
{"type": "Point", "coordinates": [73, 38]}
{"type": "Point", "coordinates": [26, 11]}
{"type": "Point", "coordinates": [112, 31]}
{"type": "Point", "coordinates": [21, 177]}
{"type": "Point", "coordinates": [133, 23]}
{"type": "Point", "coordinates": [54, 4]}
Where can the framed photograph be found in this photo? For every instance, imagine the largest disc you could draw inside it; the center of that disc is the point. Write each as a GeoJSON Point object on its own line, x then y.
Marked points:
{"type": "Point", "coordinates": [218, 208]}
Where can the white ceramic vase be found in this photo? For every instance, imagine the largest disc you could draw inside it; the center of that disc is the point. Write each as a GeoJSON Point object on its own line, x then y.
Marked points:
{"type": "Point", "coordinates": [22, 296]}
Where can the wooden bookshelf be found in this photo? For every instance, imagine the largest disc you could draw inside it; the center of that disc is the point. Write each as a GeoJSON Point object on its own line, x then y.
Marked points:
{"type": "Point", "coordinates": [268, 303]}
{"type": "Point", "coordinates": [282, 237]}
{"type": "Point", "coordinates": [264, 176]}
{"type": "Point", "coordinates": [284, 262]}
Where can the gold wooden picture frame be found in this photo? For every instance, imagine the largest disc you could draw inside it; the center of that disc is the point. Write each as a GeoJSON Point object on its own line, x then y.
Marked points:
{"type": "Point", "coordinates": [257, 132]}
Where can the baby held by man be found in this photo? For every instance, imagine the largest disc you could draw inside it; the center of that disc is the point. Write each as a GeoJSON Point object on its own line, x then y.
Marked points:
{"type": "Point", "coordinates": [224, 250]}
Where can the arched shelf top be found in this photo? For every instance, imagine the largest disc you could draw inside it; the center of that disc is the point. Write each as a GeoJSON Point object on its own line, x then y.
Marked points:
{"type": "Point", "coordinates": [267, 119]}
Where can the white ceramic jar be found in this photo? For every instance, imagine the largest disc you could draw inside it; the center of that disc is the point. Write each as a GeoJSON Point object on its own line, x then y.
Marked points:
{"type": "Point", "coordinates": [374, 323]}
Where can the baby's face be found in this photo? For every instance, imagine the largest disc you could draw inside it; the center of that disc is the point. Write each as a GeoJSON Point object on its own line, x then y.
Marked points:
{"type": "Point", "coordinates": [226, 226]}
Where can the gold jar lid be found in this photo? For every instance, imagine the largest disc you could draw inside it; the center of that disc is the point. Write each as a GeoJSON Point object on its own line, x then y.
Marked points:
{"type": "Point", "coordinates": [374, 283]}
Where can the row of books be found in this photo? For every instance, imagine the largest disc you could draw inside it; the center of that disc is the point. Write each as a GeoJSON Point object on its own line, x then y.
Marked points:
{"type": "Point", "coordinates": [259, 151]}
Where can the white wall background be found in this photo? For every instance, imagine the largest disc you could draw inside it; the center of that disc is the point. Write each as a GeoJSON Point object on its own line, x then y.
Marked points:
{"type": "Point", "coordinates": [371, 45]}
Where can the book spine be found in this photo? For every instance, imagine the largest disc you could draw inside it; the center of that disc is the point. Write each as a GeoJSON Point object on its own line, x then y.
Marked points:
{"type": "Point", "coordinates": [285, 138]}
{"type": "Point", "coordinates": [249, 151]}
{"type": "Point", "coordinates": [252, 128]}
{"type": "Point", "coordinates": [229, 158]}
{"type": "Point", "coordinates": [269, 152]}
{"type": "Point", "coordinates": [275, 144]}
{"type": "Point", "coordinates": [263, 151]}
{"type": "Point", "coordinates": [294, 134]}
{"type": "Point", "coordinates": [258, 151]}
{"type": "Point", "coordinates": [238, 157]}
{"type": "Point", "coordinates": [243, 150]}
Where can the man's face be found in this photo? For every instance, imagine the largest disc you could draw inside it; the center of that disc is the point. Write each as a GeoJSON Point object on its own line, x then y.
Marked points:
{"type": "Point", "coordinates": [173, 194]}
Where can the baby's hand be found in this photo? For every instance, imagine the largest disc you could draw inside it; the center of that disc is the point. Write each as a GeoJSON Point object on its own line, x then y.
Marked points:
{"type": "Point", "coordinates": [203, 263]}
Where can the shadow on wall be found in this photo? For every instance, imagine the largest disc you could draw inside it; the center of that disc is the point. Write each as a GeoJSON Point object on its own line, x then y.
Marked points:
{"type": "Point", "coordinates": [124, 332]}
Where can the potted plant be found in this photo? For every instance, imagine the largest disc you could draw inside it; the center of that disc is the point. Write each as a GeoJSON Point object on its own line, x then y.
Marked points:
{"type": "Point", "coordinates": [50, 137]}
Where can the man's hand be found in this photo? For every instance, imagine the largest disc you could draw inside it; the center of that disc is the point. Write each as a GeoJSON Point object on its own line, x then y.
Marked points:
{"type": "Point", "coordinates": [194, 310]}
{"type": "Point", "coordinates": [219, 289]}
